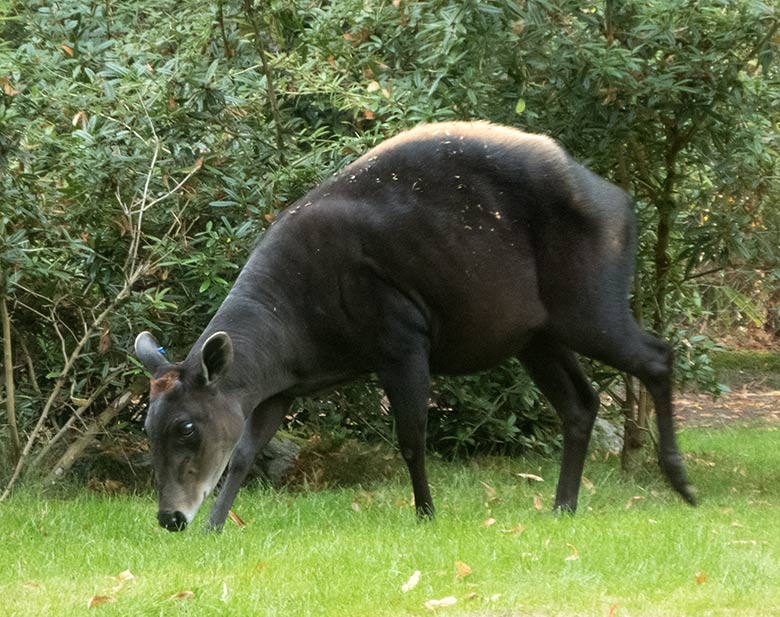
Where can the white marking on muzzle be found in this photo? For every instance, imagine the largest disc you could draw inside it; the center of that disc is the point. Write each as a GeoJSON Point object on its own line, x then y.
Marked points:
{"type": "Point", "coordinates": [207, 488]}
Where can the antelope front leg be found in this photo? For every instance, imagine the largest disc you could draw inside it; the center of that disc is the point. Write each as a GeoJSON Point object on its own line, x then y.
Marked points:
{"type": "Point", "coordinates": [261, 425]}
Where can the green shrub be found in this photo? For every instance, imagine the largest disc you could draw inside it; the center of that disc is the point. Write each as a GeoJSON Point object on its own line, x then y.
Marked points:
{"type": "Point", "coordinates": [497, 412]}
{"type": "Point", "coordinates": [141, 154]}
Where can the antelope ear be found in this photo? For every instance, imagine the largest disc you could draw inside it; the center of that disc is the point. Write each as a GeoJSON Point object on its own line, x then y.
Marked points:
{"type": "Point", "coordinates": [147, 350]}
{"type": "Point", "coordinates": [216, 356]}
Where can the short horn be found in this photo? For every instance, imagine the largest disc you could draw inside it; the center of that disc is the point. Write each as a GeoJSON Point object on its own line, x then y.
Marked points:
{"type": "Point", "coordinates": [149, 352]}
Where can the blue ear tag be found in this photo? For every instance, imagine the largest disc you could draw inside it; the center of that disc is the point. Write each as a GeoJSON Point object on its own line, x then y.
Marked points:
{"type": "Point", "coordinates": [161, 350]}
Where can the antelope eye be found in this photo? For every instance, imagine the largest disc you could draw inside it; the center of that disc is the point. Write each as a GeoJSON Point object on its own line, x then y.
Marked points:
{"type": "Point", "coordinates": [186, 430]}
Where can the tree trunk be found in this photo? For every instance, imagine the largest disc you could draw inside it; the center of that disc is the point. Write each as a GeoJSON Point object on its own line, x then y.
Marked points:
{"type": "Point", "coordinates": [634, 424]}
{"type": "Point", "coordinates": [635, 408]}
{"type": "Point", "coordinates": [10, 395]}
{"type": "Point", "coordinates": [662, 264]}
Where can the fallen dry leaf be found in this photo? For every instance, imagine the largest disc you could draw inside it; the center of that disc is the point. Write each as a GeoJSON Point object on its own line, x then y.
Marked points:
{"type": "Point", "coordinates": [432, 605]}
{"type": "Point", "coordinates": [122, 578]}
{"type": "Point", "coordinates": [538, 502]}
{"type": "Point", "coordinates": [489, 522]}
{"type": "Point", "coordinates": [701, 578]}
{"type": "Point", "coordinates": [490, 493]}
{"type": "Point", "coordinates": [515, 530]}
{"type": "Point", "coordinates": [8, 89]}
{"type": "Point", "coordinates": [588, 484]}
{"type": "Point", "coordinates": [412, 582]}
{"type": "Point", "coordinates": [462, 570]}
{"type": "Point", "coordinates": [236, 518]}
{"type": "Point", "coordinates": [81, 117]}
{"type": "Point", "coordinates": [531, 476]}
{"type": "Point", "coordinates": [613, 610]}
{"type": "Point", "coordinates": [633, 500]}
{"type": "Point", "coordinates": [31, 585]}
{"type": "Point", "coordinates": [183, 595]}
{"type": "Point", "coordinates": [98, 600]}
{"type": "Point", "coordinates": [575, 555]}
{"type": "Point", "coordinates": [355, 506]}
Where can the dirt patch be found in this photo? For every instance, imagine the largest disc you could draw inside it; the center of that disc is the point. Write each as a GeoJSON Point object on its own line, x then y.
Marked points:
{"type": "Point", "coordinates": [751, 338]}
{"type": "Point", "coordinates": [744, 407]}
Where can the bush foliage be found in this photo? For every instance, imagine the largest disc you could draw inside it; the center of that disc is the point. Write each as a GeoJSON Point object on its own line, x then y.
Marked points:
{"type": "Point", "coordinates": [144, 146]}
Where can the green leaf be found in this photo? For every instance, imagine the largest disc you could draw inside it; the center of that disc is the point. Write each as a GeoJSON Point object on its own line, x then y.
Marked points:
{"type": "Point", "coordinates": [520, 106]}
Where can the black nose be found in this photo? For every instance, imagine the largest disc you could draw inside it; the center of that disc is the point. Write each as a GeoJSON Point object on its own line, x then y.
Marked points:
{"type": "Point", "coordinates": [172, 521]}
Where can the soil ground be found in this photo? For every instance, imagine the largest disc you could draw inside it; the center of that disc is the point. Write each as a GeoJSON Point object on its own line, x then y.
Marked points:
{"type": "Point", "coordinates": [755, 390]}
{"type": "Point", "coordinates": [744, 407]}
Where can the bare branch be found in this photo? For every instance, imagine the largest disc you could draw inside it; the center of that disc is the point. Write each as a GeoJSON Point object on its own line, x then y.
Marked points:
{"type": "Point", "coordinates": [31, 374]}
{"type": "Point", "coordinates": [133, 272]}
{"type": "Point", "coordinates": [71, 360]}
{"type": "Point", "coordinates": [71, 421]}
{"type": "Point", "coordinates": [59, 334]}
{"type": "Point", "coordinates": [135, 227]}
{"type": "Point", "coordinates": [77, 448]}
{"type": "Point", "coordinates": [175, 189]}
{"type": "Point", "coordinates": [269, 82]}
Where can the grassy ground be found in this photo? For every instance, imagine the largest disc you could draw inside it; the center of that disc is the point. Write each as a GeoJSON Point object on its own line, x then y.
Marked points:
{"type": "Point", "coordinates": [633, 549]}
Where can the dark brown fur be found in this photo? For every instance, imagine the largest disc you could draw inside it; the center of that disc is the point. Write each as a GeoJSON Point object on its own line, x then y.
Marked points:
{"type": "Point", "coordinates": [446, 249]}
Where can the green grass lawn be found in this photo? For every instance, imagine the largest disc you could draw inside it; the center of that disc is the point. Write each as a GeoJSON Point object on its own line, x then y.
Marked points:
{"type": "Point", "coordinates": [348, 552]}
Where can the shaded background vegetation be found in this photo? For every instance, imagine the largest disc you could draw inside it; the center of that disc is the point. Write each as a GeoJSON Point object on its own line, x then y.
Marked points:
{"type": "Point", "coordinates": [144, 146]}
